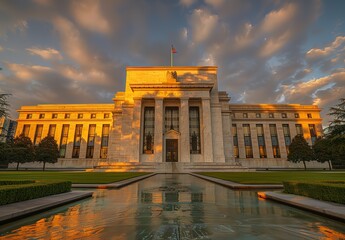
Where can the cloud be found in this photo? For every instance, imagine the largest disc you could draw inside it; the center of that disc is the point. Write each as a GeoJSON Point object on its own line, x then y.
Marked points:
{"type": "Point", "coordinates": [203, 23]}
{"type": "Point", "coordinates": [187, 3]}
{"type": "Point", "coordinates": [48, 53]}
{"type": "Point", "coordinates": [317, 53]}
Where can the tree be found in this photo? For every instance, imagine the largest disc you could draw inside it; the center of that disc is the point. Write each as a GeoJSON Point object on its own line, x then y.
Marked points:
{"type": "Point", "coordinates": [4, 104]}
{"type": "Point", "coordinates": [21, 150]}
{"type": "Point", "coordinates": [323, 151]}
{"type": "Point", "coordinates": [3, 154]}
{"type": "Point", "coordinates": [47, 151]}
{"type": "Point", "coordinates": [299, 150]}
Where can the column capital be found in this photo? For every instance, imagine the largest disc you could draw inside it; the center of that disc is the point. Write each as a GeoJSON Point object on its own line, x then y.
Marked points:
{"type": "Point", "coordinates": [205, 98]}
{"type": "Point", "coordinates": [137, 98]}
{"type": "Point", "coordinates": [184, 98]}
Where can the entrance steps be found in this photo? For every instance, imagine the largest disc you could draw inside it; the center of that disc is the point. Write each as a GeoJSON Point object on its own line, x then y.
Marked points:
{"type": "Point", "coordinates": [167, 167]}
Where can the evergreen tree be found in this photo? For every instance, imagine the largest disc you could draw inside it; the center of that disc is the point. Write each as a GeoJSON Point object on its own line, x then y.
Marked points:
{"type": "Point", "coordinates": [47, 151]}
{"type": "Point", "coordinates": [21, 150]}
{"type": "Point", "coordinates": [3, 155]}
{"type": "Point", "coordinates": [3, 104]}
{"type": "Point", "coordinates": [299, 150]}
{"type": "Point", "coordinates": [323, 151]}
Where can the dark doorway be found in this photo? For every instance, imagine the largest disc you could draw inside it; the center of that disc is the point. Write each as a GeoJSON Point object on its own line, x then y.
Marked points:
{"type": "Point", "coordinates": [171, 150]}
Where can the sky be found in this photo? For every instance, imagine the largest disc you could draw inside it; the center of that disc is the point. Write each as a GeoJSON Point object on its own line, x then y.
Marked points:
{"type": "Point", "coordinates": [267, 51]}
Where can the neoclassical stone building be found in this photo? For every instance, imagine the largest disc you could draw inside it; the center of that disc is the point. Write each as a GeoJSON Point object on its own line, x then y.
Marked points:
{"type": "Point", "coordinates": [171, 119]}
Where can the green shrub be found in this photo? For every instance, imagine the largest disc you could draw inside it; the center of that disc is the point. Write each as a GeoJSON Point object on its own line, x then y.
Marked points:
{"type": "Point", "coordinates": [332, 191]}
{"type": "Point", "coordinates": [15, 182]}
{"type": "Point", "coordinates": [17, 193]}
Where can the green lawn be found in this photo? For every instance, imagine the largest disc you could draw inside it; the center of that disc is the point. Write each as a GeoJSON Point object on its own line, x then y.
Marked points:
{"type": "Point", "coordinates": [276, 177]}
{"type": "Point", "coordinates": [74, 177]}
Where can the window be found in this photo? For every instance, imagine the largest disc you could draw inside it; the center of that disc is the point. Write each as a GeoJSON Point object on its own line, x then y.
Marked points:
{"type": "Point", "coordinates": [38, 134]}
{"type": "Point", "coordinates": [28, 116]}
{"type": "Point", "coordinates": [271, 115]}
{"type": "Point", "coordinates": [149, 128]}
{"type": "Point", "coordinates": [171, 119]}
{"type": "Point", "coordinates": [296, 115]}
{"type": "Point", "coordinates": [275, 142]}
{"type": "Point", "coordinates": [309, 115]}
{"type": "Point", "coordinates": [258, 115]}
{"type": "Point", "coordinates": [52, 128]}
{"type": "Point", "coordinates": [26, 130]}
{"type": "Point", "coordinates": [63, 141]}
{"type": "Point", "coordinates": [247, 141]}
{"type": "Point", "coordinates": [91, 141]}
{"type": "Point", "coordinates": [106, 115]}
{"type": "Point", "coordinates": [104, 141]}
{"type": "Point", "coordinates": [299, 129]}
{"type": "Point", "coordinates": [194, 130]}
{"type": "Point", "coordinates": [42, 115]}
{"type": "Point", "coordinates": [287, 137]}
{"type": "Point", "coordinates": [261, 140]}
{"type": "Point", "coordinates": [235, 140]}
{"type": "Point", "coordinates": [77, 141]}
{"type": "Point", "coordinates": [80, 115]}
{"type": "Point", "coordinates": [93, 115]}
{"type": "Point", "coordinates": [284, 115]}
{"type": "Point", "coordinates": [312, 131]}
{"type": "Point", "coordinates": [67, 115]}
{"type": "Point", "coordinates": [245, 115]}
{"type": "Point", "coordinates": [54, 115]}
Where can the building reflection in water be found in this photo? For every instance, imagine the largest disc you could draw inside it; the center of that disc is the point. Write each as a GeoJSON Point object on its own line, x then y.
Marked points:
{"type": "Point", "coordinates": [174, 207]}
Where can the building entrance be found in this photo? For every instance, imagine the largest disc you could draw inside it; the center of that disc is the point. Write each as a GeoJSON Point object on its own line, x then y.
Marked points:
{"type": "Point", "coordinates": [171, 150]}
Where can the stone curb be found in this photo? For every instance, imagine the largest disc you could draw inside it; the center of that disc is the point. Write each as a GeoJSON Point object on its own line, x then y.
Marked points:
{"type": "Point", "coordinates": [13, 211]}
{"type": "Point", "coordinates": [333, 210]}
{"type": "Point", "coordinates": [234, 185]}
{"type": "Point", "coordinates": [115, 184]}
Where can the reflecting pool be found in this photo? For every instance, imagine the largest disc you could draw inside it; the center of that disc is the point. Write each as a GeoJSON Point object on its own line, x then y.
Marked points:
{"type": "Point", "coordinates": [174, 206]}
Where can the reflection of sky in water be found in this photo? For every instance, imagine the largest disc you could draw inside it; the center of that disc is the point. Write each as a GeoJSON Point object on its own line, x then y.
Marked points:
{"type": "Point", "coordinates": [174, 207]}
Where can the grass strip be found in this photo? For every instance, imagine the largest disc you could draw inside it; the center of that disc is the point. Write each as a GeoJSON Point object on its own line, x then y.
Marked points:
{"type": "Point", "coordinates": [276, 177]}
{"type": "Point", "coordinates": [74, 177]}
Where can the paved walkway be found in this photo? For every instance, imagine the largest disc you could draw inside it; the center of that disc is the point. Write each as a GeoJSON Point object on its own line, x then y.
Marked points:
{"type": "Point", "coordinates": [118, 184]}
{"type": "Point", "coordinates": [330, 209]}
{"type": "Point", "coordinates": [234, 185]}
{"type": "Point", "coordinates": [10, 212]}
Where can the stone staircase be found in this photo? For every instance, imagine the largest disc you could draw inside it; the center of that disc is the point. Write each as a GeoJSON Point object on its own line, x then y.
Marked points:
{"type": "Point", "coordinates": [167, 167]}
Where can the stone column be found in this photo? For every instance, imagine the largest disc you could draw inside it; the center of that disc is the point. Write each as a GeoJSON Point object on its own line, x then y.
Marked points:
{"type": "Point", "coordinates": [227, 138]}
{"type": "Point", "coordinates": [70, 141]}
{"type": "Point", "coordinates": [217, 133]}
{"type": "Point", "coordinates": [98, 139]}
{"type": "Point", "coordinates": [184, 129]}
{"type": "Point", "coordinates": [240, 140]}
{"type": "Point", "coordinates": [255, 142]}
{"type": "Point", "coordinates": [158, 136]}
{"type": "Point", "coordinates": [207, 147]}
{"type": "Point", "coordinates": [268, 141]}
{"type": "Point", "coordinates": [136, 130]}
{"type": "Point", "coordinates": [281, 140]}
{"type": "Point", "coordinates": [84, 139]}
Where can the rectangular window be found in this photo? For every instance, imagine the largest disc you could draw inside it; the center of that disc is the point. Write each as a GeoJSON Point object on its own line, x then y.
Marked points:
{"type": "Point", "coordinates": [261, 140]}
{"type": "Point", "coordinates": [77, 141]}
{"type": "Point", "coordinates": [171, 118]}
{"type": "Point", "coordinates": [26, 130]}
{"type": "Point", "coordinates": [247, 141]}
{"type": "Point", "coordinates": [54, 115]}
{"type": "Point", "coordinates": [296, 115]}
{"type": "Point", "coordinates": [105, 139]}
{"type": "Point", "coordinates": [106, 115]}
{"type": "Point", "coordinates": [38, 134]}
{"type": "Point", "coordinates": [149, 130]}
{"type": "Point", "coordinates": [235, 140]}
{"type": "Point", "coordinates": [258, 115]}
{"type": "Point", "coordinates": [287, 136]}
{"type": "Point", "coordinates": [52, 128]}
{"type": "Point", "coordinates": [271, 115]}
{"type": "Point", "coordinates": [80, 115]}
{"type": "Point", "coordinates": [309, 115]}
{"type": "Point", "coordinates": [312, 131]}
{"type": "Point", "coordinates": [284, 115]}
{"type": "Point", "coordinates": [67, 115]}
{"type": "Point", "coordinates": [91, 141]}
{"type": "Point", "coordinates": [93, 115]}
{"type": "Point", "coordinates": [245, 115]}
{"type": "Point", "coordinates": [64, 138]}
{"type": "Point", "coordinates": [194, 130]}
{"type": "Point", "coordinates": [275, 142]}
{"type": "Point", "coordinates": [29, 116]}
{"type": "Point", "coordinates": [299, 129]}
{"type": "Point", "coordinates": [42, 115]}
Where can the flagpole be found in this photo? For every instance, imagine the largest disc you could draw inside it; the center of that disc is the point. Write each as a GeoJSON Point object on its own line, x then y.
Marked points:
{"type": "Point", "coordinates": [171, 57]}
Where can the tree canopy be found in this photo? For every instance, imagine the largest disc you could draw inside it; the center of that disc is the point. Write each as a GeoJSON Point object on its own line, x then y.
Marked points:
{"type": "Point", "coordinates": [4, 104]}
{"type": "Point", "coordinates": [21, 150]}
{"type": "Point", "coordinates": [300, 151]}
{"type": "Point", "coordinates": [47, 151]}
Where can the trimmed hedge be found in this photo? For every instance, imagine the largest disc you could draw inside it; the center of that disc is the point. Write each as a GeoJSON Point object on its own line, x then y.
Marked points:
{"type": "Point", "coordinates": [332, 191]}
{"type": "Point", "coordinates": [15, 182]}
{"type": "Point", "coordinates": [17, 193]}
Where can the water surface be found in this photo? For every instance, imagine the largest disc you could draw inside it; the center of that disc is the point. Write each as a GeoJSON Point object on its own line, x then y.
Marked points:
{"type": "Point", "coordinates": [174, 206]}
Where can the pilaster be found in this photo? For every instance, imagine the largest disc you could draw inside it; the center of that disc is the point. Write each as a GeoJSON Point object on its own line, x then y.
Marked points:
{"type": "Point", "coordinates": [136, 130]}
{"type": "Point", "coordinates": [184, 129]}
{"type": "Point", "coordinates": [207, 130]}
{"type": "Point", "coordinates": [158, 138]}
